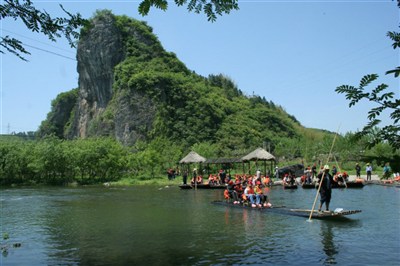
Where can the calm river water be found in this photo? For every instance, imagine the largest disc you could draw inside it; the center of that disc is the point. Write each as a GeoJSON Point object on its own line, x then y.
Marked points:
{"type": "Point", "coordinates": [167, 226]}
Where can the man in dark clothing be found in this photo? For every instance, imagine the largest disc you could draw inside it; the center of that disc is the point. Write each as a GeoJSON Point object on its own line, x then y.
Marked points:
{"type": "Point", "coordinates": [222, 176]}
{"type": "Point", "coordinates": [232, 192]}
{"type": "Point", "coordinates": [314, 170]}
{"type": "Point", "coordinates": [184, 176]}
{"type": "Point", "coordinates": [358, 170]}
{"type": "Point", "coordinates": [325, 191]}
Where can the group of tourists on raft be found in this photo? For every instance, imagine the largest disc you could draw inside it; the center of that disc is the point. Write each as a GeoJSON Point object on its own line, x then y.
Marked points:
{"type": "Point", "coordinates": [289, 179]}
{"type": "Point", "coordinates": [310, 175]}
{"type": "Point", "coordinates": [223, 178]}
{"type": "Point", "coordinates": [248, 190]}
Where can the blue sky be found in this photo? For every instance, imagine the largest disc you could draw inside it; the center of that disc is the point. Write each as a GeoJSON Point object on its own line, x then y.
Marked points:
{"type": "Point", "coordinates": [294, 53]}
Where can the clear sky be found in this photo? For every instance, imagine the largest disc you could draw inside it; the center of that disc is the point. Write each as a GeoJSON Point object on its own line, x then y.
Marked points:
{"type": "Point", "coordinates": [294, 53]}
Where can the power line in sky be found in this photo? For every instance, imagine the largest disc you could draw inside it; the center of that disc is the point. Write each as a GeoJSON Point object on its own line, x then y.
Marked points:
{"type": "Point", "coordinates": [41, 49]}
{"type": "Point", "coordinates": [50, 52]}
{"type": "Point", "coordinates": [35, 40]}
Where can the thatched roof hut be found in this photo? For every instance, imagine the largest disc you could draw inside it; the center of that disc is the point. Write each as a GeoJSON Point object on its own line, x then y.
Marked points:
{"type": "Point", "coordinates": [259, 154]}
{"type": "Point", "coordinates": [192, 157]}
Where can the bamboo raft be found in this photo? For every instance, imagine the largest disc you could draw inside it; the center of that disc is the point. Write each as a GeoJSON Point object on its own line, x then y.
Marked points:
{"type": "Point", "coordinates": [290, 186]}
{"type": "Point", "coordinates": [337, 214]}
{"type": "Point", "coordinates": [324, 214]}
{"type": "Point", "coordinates": [308, 186]}
{"type": "Point", "coordinates": [350, 184]}
{"type": "Point", "coordinates": [336, 185]}
{"type": "Point", "coordinates": [202, 186]}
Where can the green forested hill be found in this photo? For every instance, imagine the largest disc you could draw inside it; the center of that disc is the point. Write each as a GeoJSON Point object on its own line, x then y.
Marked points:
{"type": "Point", "coordinates": [166, 100]}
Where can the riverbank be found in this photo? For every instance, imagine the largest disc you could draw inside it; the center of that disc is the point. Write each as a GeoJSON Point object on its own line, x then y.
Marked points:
{"type": "Point", "coordinates": [373, 177]}
{"type": "Point", "coordinates": [163, 181]}
{"type": "Point", "coordinates": [178, 181]}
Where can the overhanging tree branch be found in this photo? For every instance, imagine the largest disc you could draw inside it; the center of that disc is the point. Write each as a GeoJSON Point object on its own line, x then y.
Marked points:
{"type": "Point", "coordinates": [38, 21]}
{"type": "Point", "coordinates": [385, 101]}
{"type": "Point", "coordinates": [211, 8]}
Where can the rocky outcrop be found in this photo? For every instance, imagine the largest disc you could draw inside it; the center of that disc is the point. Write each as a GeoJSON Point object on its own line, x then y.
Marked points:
{"type": "Point", "coordinates": [99, 51]}
{"type": "Point", "coordinates": [133, 119]}
{"type": "Point", "coordinates": [100, 110]}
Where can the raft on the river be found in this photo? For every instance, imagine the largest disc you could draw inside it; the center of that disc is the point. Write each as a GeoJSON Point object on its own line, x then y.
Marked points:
{"type": "Point", "coordinates": [350, 184]}
{"type": "Point", "coordinates": [307, 186]}
{"type": "Point", "coordinates": [338, 213]}
{"type": "Point", "coordinates": [288, 186]}
{"type": "Point", "coordinates": [202, 186]}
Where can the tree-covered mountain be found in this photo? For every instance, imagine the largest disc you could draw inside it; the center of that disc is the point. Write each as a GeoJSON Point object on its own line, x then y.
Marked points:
{"type": "Point", "coordinates": [132, 89]}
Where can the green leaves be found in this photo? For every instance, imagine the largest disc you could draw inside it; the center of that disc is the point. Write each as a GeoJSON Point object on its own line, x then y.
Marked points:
{"type": "Point", "coordinates": [144, 6]}
{"type": "Point", "coordinates": [38, 21]}
{"type": "Point", "coordinates": [367, 79]}
{"type": "Point", "coordinates": [211, 8]}
{"type": "Point", "coordinates": [395, 71]}
{"type": "Point", "coordinates": [385, 102]}
{"type": "Point", "coordinates": [395, 36]}
{"type": "Point", "coordinates": [352, 93]}
{"type": "Point", "coordinates": [13, 46]}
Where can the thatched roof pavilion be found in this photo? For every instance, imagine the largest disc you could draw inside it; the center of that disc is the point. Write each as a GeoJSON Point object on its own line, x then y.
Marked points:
{"type": "Point", "coordinates": [260, 154]}
{"type": "Point", "coordinates": [192, 157]}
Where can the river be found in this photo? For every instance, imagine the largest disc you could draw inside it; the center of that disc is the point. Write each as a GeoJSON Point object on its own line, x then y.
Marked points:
{"type": "Point", "coordinates": [150, 225]}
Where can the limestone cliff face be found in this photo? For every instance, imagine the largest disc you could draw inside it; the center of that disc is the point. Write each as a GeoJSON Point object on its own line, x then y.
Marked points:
{"type": "Point", "coordinates": [99, 50]}
{"type": "Point", "coordinates": [133, 119]}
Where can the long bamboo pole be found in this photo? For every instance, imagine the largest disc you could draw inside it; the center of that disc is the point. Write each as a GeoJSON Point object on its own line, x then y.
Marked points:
{"type": "Point", "coordinates": [323, 175]}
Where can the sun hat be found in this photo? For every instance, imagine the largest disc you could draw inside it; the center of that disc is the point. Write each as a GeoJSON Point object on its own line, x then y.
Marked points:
{"type": "Point", "coordinates": [326, 167]}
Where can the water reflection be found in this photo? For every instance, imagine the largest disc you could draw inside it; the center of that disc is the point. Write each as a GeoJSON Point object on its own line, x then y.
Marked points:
{"type": "Point", "coordinates": [328, 239]}
{"type": "Point", "coordinates": [328, 243]}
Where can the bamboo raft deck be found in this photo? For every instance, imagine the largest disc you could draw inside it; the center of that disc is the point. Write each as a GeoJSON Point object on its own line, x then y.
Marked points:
{"type": "Point", "coordinates": [202, 186]}
{"type": "Point", "coordinates": [349, 184]}
{"type": "Point", "coordinates": [339, 214]}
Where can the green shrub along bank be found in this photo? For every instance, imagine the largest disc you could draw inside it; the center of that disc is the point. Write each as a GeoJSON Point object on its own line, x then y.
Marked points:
{"type": "Point", "coordinates": [53, 161]}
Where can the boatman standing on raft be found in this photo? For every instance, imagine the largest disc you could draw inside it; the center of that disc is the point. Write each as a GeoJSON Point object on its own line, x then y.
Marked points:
{"type": "Point", "coordinates": [325, 191]}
